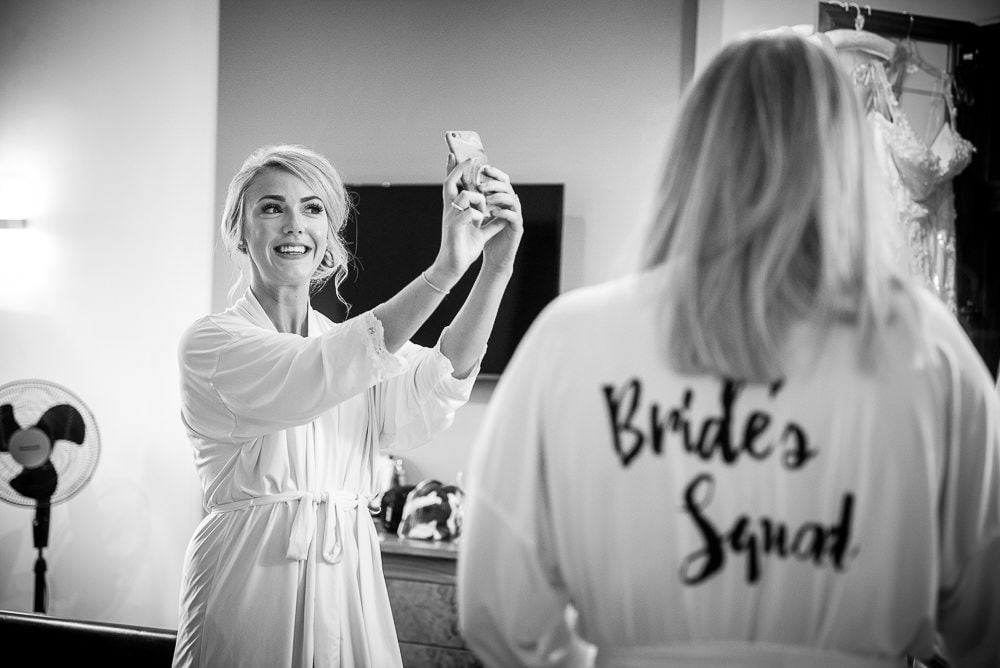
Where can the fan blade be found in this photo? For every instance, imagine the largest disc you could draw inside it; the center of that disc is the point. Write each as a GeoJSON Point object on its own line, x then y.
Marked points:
{"type": "Point", "coordinates": [63, 422]}
{"type": "Point", "coordinates": [8, 425]}
{"type": "Point", "coordinates": [38, 483]}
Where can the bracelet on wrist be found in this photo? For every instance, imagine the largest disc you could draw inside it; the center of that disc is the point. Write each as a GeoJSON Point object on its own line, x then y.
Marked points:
{"type": "Point", "coordinates": [433, 287]}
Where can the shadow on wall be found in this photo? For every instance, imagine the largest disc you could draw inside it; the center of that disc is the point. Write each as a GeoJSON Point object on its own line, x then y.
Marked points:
{"type": "Point", "coordinates": [98, 574]}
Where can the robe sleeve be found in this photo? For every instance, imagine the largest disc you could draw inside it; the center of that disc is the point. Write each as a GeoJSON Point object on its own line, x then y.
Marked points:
{"type": "Point", "coordinates": [416, 405]}
{"type": "Point", "coordinates": [514, 609]}
{"type": "Point", "coordinates": [240, 381]}
{"type": "Point", "coordinates": [969, 506]}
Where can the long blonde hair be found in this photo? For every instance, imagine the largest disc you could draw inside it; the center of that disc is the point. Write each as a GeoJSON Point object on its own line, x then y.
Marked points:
{"type": "Point", "coordinates": [771, 207]}
{"type": "Point", "coordinates": [316, 172]}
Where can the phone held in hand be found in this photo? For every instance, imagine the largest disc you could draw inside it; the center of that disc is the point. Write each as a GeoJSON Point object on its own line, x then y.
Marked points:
{"type": "Point", "coordinates": [466, 145]}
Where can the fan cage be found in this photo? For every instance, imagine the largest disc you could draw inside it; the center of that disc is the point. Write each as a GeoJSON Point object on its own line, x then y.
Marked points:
{"type": "Point", "coordinates": [74, 464]}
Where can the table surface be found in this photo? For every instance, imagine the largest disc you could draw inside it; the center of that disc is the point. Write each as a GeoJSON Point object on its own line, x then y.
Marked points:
{"type": "Point", "coordinates": [435, 549]}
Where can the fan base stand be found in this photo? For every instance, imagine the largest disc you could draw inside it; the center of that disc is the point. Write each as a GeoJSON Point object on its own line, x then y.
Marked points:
{"type": "Point", "coordinates": [40, 569]}
{"type": "Point", "coordinates": [40, 528]}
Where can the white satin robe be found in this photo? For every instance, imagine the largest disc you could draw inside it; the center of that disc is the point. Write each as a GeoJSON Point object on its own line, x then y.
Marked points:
{"type": "Point", "coordinates": [585, 495]}
{"type": "Point", "coordinates": [285, 569]}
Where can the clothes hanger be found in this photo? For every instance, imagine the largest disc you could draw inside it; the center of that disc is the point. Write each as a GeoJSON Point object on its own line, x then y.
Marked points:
{"type": "Point", "coordinates": [910, 57]}
{"type": "Point", "coordinates": [859, 20]}
{"type": "Point", "coordinates": [913, 57]}
{"type": "Point", "coordinates": [866, 56]}
{"type": "Point", "coordinates": [860, 39]}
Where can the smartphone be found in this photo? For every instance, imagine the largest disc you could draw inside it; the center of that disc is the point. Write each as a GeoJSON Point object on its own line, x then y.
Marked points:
{"type": "Point", "coordinates": [466, 144]}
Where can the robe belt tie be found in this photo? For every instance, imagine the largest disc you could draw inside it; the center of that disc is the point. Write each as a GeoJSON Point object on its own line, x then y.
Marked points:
{"type": "Point", "coordinates": [735, 654]}
{"type": "Point", "coordinates": [304, 524]}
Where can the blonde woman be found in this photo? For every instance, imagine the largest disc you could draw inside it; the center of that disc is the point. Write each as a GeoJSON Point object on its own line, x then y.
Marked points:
{"type": "Point", "coordinates": [287, 411]}
{"type": "Point", "coordinates": [766, 448]}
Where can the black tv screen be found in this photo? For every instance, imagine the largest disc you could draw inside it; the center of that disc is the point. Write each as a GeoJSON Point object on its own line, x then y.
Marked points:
{"type": "Point", "coordinates": [395, 233]}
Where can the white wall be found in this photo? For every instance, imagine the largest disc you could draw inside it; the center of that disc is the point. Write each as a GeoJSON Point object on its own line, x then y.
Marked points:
{"type": "Point", "coordinates": [579, 92]}
{"type": "Point", "coordinates": [108, 107]}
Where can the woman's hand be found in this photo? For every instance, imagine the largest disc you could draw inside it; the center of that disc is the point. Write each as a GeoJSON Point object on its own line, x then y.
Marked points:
{"type": "Point", "coordinates": [504, 208]}
{"type": "Point", "coordinates": [495, 223]}
{"type": "Point", "coordinates": [485, 222]}
{"type": "Point", "coordinates": [467, 225]}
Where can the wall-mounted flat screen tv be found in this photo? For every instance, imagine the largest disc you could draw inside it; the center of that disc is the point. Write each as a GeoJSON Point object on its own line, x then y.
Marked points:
{"type": "Point", "coordinates": [395, 233]}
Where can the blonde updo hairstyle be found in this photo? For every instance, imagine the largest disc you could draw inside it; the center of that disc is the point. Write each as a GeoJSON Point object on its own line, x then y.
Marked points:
{"type": "Point", "coordinates": [316, 172]}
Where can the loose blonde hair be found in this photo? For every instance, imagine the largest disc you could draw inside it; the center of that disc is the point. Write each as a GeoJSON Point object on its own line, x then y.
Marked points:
{"type": "Point", "coordinates": [771, 207]}
{"type": "Point", "coordinates": [317, 173]}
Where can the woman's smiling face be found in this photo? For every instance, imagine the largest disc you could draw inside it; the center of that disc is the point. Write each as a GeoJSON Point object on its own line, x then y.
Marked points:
{"type": "Point", "coordinates": [285, 230]}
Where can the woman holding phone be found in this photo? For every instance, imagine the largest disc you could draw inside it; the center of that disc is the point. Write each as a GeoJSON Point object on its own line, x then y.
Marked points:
{"type": "Point", "coordinates": [287, 412]}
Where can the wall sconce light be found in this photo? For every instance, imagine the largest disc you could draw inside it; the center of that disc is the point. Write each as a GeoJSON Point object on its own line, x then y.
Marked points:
{"type": "Point", "coordinates": [15, 202]}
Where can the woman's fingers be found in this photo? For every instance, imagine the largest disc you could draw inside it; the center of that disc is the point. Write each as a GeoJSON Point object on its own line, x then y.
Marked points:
{"type": "Point", "coordinates": [503, 200]}
{"type": "Point", "coordinates": [467, 208]}
{"type": "Point", "coordinates": [474, 216]}
{"type": "Point", "coordinates": [499, 192]}
{"type": "Point", "coordinates": [469, 199]}
{"type": "Point", "coordinates": [506, 205]}
{"type": "Point", "coordinates": [492, 227]}
{"type": "Point", "coordinates": [495, 197]}
{"type": "Point", "coordinates": [450, 189]}
{"type": "Point", "coordinates": [495, 174]}
{"type": "Point", "coordinates": [512, 217]}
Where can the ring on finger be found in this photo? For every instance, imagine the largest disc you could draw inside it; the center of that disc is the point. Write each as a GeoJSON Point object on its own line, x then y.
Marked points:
{"type": "Point", "coordinates": [457, 207]}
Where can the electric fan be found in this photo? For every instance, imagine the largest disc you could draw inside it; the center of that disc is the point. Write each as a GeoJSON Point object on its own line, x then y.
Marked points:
{"type": "Point", "coordinates": [36, 469]}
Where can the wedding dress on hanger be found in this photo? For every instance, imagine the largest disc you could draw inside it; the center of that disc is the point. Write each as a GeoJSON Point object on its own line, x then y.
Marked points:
{"type": "Point", "coordinates": [921, 176]}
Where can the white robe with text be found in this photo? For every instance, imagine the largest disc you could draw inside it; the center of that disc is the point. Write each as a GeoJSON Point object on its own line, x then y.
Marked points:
{"type": "Point", "coordinates": [839, 517]}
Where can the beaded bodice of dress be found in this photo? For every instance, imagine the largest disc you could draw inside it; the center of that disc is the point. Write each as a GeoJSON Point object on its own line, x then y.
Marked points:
{"type": "Point", "coordinates": [921, 176]}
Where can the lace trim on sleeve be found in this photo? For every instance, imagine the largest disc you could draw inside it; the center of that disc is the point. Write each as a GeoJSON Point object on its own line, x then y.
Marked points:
{"type": "Point", "coordinates": [385, 363]}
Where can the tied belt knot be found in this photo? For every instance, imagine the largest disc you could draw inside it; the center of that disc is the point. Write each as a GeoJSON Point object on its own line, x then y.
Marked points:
{"type": "Point", "coordinates": [305, 522]}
